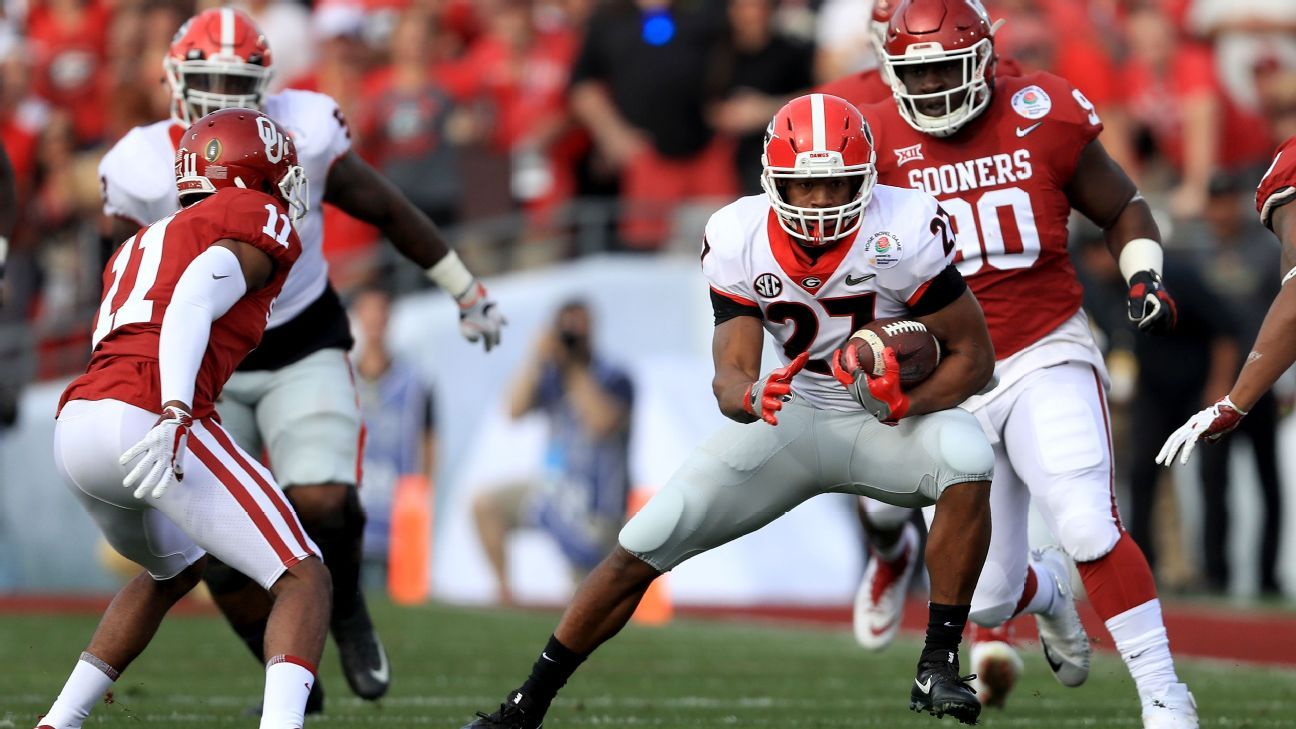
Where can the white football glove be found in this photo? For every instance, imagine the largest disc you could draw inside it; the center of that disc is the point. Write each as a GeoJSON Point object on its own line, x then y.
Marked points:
{"type": "Point", "coordinates": [163, 450]}
{"type": "Point", "coordinates": [479, 317]}
{"type": "Point", "coordinates": [1209, 425]}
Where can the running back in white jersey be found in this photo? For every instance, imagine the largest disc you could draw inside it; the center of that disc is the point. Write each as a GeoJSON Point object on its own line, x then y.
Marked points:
{"type": "Point", "coordinates": [899, 263]}
{"type": "Point", "coordinates": [138, 182]}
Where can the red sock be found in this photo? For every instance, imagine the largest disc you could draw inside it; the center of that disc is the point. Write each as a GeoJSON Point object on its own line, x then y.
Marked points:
{"type": "Point", "coordinates": [1118, 580]}
{"type": "Point", "coordinates": [1028, 592]}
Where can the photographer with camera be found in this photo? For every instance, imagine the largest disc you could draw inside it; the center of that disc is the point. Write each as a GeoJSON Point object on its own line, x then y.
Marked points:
{"type": "Point", "coordinates": [580, 498]}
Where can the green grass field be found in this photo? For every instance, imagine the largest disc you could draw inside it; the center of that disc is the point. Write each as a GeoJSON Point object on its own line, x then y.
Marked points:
{"type": "Point", "coordinates": [449, 662]}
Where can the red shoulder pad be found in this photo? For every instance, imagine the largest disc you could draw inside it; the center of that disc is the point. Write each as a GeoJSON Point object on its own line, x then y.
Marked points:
{"type": "Point", "coordinates": [1278, 186]}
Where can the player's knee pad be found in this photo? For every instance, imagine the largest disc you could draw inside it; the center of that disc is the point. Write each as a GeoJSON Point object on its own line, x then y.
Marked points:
{"type": "Point", "coordinates": [654, 525]}
{"type": "Point", "coordinates": [222, 579]}
{"type": "Point", "coordinates": [963, 450]}
{"type": "Point", "coordinates": [1087, 536]}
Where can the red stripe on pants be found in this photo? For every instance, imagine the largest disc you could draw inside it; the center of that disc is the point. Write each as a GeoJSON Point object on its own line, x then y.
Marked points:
{"type": "Point", "coordinates": [276, 497]}
{"type": "Point", "coordinates": [244, 499]}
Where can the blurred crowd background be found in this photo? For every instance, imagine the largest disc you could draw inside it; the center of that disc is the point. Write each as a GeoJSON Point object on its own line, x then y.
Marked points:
{"type": "Point", "coordinates": [481, 112]}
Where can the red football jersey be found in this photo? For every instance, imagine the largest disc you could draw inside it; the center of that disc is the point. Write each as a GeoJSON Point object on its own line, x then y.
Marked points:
{"type": "Point", "coordinates": [138, 282]}
{"type": "Point", "coordinates": [1002, 179]}
{"type": "Point", "coordinates": [868, 87]}
{"type": "Point", "coordinates": [1278, 186]}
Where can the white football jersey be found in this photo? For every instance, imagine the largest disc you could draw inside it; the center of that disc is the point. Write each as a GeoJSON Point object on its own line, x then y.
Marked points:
{"type": "Point", "coordinates": [902, 245]}
{"type": "Point", "coordinates": [137, 178]}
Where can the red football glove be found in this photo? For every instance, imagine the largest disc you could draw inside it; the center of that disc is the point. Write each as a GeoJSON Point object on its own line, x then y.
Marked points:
{"type": "Point", "coordinates": [764, 397]}
{"type": "Point", "coordinates": [880, 396]}
{"type": "Point", "coordinates": [1208, 425]}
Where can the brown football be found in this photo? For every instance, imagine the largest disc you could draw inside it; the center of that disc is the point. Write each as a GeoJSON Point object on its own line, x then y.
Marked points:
{"type": "Point", "coordinates": [917, 351]}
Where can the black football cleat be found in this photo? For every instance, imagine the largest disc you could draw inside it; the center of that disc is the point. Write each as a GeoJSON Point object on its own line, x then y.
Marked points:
{"type": "Point", "coordinates": [939, 690]}
{"type": "Point", "coordinates": [517, 712]}
{"type": "Point", "coordinates": [364, 660]}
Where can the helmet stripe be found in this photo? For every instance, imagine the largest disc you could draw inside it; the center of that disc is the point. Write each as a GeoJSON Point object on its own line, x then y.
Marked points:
{"type": "Point", "coordinates": [227, 31]}
{"type": "Point", "coordinates": [817, 125]}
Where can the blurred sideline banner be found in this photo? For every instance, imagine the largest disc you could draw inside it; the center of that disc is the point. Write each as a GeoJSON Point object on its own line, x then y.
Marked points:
{"type": "Point", "coordinates": [652, 316]}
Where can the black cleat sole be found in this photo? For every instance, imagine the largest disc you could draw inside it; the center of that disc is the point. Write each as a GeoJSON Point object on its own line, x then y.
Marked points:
{"type": "Point", "coordinates": [965, 713]}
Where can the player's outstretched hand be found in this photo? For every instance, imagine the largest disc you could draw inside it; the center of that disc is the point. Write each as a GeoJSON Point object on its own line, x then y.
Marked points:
{"type": "Point", "coordinates": [881, 396]}
{"type": "Point", "coordinates": [764, 397]}
{"type": "Point", "coordinates": [1150, 305]}
{"type": "Point", "coordinates": [161, 454]}
{"type": "Point", "coordinates": [479, 317]}
{"type": "Point", "coordinates": [1209, 425]}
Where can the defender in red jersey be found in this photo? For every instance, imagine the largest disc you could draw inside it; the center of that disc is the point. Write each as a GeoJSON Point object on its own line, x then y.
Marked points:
{"type": "Point", "coordinates": [1008, 159]}
{"type": "Point", "coordinates": [185, 300]}
{"type": "Point", "coordinates": [1275, 347]}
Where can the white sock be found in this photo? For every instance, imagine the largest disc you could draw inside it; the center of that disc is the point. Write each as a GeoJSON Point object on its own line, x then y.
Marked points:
{"type": "Point", "coordinates": [288, 684]}
{"type": "Point", "coordinates": [1045, 590]}
{"type": "Point", "coordinates": [90, 680]}
{"type": "Point", "coordinates": [1140, 637]}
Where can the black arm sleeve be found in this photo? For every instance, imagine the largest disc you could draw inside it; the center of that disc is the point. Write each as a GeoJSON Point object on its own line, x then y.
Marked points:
{"type": "Point", "coordinates": [726, 308]}
{"type": "Point", "coordinates": [941, 291]}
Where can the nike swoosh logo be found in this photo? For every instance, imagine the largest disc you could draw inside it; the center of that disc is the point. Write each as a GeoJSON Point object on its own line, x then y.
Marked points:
{"type": "Point", "coordinates": [879, 631]}
{"type": "Point", "coordinates": [382, 673]}
{"type": "Point", "coordinates": [217, 278]}
{"type": "Point", "coordinates": [547, 658]}
{"type": "Point", "coordinates": [851, 281]}
{"type": "Point", "coordinates": [1023, 132]}
{"type": "Point", "coordinates": [924, 687]}
{"type": "Point", "coordinates": [1054, 664]}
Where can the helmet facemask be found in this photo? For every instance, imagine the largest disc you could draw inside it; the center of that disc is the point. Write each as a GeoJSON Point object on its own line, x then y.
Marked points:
{"type": "Point", "coordinates": [961, 104]}
{"type": "Point", "coordinates": [201, 86]}
{"type": "Point", "coordinates": [816, 227]}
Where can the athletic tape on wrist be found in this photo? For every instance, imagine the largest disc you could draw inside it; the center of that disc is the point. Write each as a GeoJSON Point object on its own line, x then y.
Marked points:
{"type": "Point", "coordinates": [452, 275]}
{"type": "Point", "coordinates": [1141, 254]}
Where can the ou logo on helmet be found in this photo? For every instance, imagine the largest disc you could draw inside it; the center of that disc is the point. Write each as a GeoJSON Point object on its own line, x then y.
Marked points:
{"type": "Point", "coordinates": [275, 142]}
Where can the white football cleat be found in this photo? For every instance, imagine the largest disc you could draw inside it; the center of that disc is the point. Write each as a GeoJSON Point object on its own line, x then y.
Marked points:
{"type": "Point", "coordinates": [996, 664]}
{"type": "Point", "coordinates": [1061, 634]}
{"type": "Point", "coordinates": [1176, 709]}
{"type": "Point", "coordinates": [879, 602]}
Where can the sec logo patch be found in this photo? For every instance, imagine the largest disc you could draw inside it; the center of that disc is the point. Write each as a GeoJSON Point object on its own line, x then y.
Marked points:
{"type": "Point", "coordinates": [768, 285]}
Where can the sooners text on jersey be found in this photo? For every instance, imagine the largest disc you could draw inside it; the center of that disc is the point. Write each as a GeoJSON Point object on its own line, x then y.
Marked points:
{"type": "Point", "coordinates": [1278, 187]}
{"type": "Point", "coordinates": [138, 178]}
{"type": "Point", "coordinates": [884, 270]}
{"type": "Point", "coordinates": [1002, 180]}
{"type": "Point", "coordinates": [138, 282]}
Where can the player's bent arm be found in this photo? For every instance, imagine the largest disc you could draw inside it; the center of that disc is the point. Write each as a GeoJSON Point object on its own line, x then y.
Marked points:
{"type": "Point", "coordinates": [1275, 347]}
{"type": "Point", "coordinates": [211, 284]}
{"type": "Point", "coordinates": [1102, 192]}
{"type": "Point", "coordinates": [967, 357]}
{"type": "Point", "coordinates": [361, 192]}
{"type": "Point", "coordinates": [736, 349]}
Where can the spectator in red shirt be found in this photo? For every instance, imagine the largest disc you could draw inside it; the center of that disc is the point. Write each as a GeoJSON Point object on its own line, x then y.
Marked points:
{"type": "Point", "coordinates": [1171, 90]}
{"type": "Point", "coordinates": [521, 71]}
{"type": "Point", "coordinates": [69, 41]}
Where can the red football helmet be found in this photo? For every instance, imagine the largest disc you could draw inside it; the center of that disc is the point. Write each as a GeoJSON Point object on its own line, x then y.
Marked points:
{"type": "Point", "coordinates": [241, 148]}
{"type": "Point", "coordinates": [218, 59]}
{"type": "Point", "coordinates": [925, 32]}
{"type": "Point", "coordinates": [812, 136]}
{"type": "Point", "coordinates": [878, 23]}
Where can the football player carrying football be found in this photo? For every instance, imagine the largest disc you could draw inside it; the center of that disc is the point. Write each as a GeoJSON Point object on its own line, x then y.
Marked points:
{"type": "Point", "coordinates": [293, 397]}
{"type": "Point", "coordinates": [1009, 158]}
{"type": "Point", "coordinates": [823, 252]}
{"type": "Point", "coordinates": [1275, 347]}
{"type": "Point", "coordinates": [186, 299]}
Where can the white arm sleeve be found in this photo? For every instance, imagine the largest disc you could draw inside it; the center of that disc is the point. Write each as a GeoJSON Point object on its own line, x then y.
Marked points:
{"type": "Point", "coordinates": [212, 283]}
